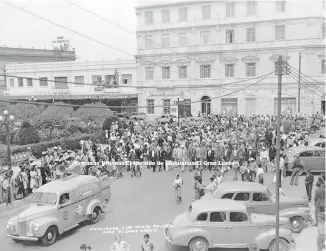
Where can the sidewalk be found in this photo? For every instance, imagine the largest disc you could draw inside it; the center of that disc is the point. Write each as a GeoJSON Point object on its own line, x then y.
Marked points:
{"type": "Point", "coordinates": [16, 205]}
{"type": "Point", "coordinates": [307, 240]}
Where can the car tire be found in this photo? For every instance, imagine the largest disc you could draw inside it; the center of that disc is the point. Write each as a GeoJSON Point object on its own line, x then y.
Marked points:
{"type": "Point", "coordinates": [95, 215]}
{"type": "Point", "coordinates": [283, 245]}
{"type": "Point", "coordinates": [50, 236]}
{"type": "Point", "coordinates": [198, 244]}
{"type": "Point", "coordinates": [297, 224]}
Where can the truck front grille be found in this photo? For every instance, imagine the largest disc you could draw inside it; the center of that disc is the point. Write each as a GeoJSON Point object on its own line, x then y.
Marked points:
{"type": "Point", "coordinates": [22, 228]}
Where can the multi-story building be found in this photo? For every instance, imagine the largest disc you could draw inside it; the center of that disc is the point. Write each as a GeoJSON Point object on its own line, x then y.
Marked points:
{"type": "Point", "coordinates": [23, 55]}
{"type": "Point", "coordinates": [111, 82]}
{"type": "Point", "coordinates": [206, 53]}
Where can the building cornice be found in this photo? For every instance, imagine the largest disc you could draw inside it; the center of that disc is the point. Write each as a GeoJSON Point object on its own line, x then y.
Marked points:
{"type": "Point", "coordinates": [244, 23]}
{"type": "Point", "coordinates": [164, 5]}
{"type": "Point", "coordinates": [229, 60]}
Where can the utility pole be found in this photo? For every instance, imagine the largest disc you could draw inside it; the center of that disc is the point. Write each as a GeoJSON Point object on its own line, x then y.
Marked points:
{"type": "Point", "coordinates": [299, 82]}
{"type": "Point", "coordinates": [278, 149]}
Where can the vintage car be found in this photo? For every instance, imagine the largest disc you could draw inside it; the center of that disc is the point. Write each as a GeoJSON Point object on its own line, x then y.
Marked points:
{"type": "Point", "coordinates": [310, 156]}
{"type": "Point", "coordinates": [59, 206]}
{"type": "Point", "coordinates": [226, 224]}
{"type": "Point", "coordinates": [260, 200]}
{"type": "Point", "coordinates": [317, 142]}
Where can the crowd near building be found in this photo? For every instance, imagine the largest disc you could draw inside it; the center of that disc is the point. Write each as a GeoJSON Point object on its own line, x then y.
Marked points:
{"type": "Point", "coordinates": [191, 55]}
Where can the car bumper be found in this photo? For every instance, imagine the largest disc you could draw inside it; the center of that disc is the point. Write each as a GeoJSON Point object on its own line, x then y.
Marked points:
{"type": "Point", "coordinates": [22, 238]}
{"type": "Point", "coordinates": [166, 235]}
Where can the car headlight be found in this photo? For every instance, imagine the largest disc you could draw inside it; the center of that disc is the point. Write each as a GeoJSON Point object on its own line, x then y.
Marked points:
{"type": "Point", "coordinates": [9, 224]}
{"type": "Point", "coordinates": [34, 226]}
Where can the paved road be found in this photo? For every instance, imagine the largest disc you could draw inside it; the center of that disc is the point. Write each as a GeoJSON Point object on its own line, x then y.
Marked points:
{"type": "Point", "coordinates": [147, 202]}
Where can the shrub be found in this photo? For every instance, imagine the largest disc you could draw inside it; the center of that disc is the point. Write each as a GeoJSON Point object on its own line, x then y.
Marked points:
{"type": "Point", "coordinates": [71, 143]}
{"type": "Point", "coordinates": [108, 121]}
{"type": "Point", "coordinates": [27, 134]}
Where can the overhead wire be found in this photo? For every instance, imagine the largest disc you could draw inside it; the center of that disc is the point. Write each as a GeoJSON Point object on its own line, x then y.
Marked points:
{"type": "Point", "coordinates": [304, 85]}
{"type": "Point", "coordinates": [107, 45]}
{"type": "Point", "coordinates": [108, 107]}
{"type": "Point", "coordinates": [312, 85]}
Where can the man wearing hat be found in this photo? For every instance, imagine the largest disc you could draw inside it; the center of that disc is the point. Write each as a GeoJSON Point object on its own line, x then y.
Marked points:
{"type": "Point", "coordinates": [250, 154]}
{"type": "Point", "coordinates": [295, 170]}
{"type": "Point", "coordinates": [264, 158]}
{"type": "Point", "coordinates": [309, 180]}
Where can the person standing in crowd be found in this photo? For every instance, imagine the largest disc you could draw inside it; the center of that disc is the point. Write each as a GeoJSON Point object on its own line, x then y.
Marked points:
{"type": "Point", "coordinates": [146, 244]}
{"type": "Point", "coordinates": [177, 183]}
{"type": "Point", "coordinates": [295, 171]}
{"type": "Point", "coordinates": [120, 245]}
{"type": "Point", "coordinates": [264, 158]}
{"type": "Point", "coordinates": [211, 186]}
{"type": "Point", "coordinates": [260, 174]}
{"type": "Point", "coordinates": [319, 199]}
{"type": "Point", "coordinates": [272, 153]}
{"type": "Point", "coordinates": [309, 180]}
{"type": "Point", "coordinates": [8, 188]}
{"type": "Point", "coordinates": [34, 179]}
{"type": "Point", "coordinates": [210, 157]}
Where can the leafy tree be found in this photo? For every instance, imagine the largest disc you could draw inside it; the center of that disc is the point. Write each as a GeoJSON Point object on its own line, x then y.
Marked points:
{"type": "Point", "coordinates": [90, 115]}
{"type": "Point", "coordinates": [27, 134]}
{"type": "Point", "coordinates": [53, 117]}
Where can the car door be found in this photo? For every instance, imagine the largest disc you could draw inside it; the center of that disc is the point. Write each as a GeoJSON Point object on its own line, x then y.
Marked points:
{"type": "Point", "coordinates": [65, 214]}
{"type": "Point", "coordinates": [261, 204]}
{"type": "Point", "coordinates": [218, 228]}
{"type": "Point", "coordinates": [319, 159]}
{"type": "Point", "coordinates": [241, 229]}
{"type": "Point", "coordinates": [308, 158]}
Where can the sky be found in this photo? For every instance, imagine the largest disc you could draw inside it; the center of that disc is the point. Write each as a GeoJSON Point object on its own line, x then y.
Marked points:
{"type": "Point", "coordinates": [18, 28]}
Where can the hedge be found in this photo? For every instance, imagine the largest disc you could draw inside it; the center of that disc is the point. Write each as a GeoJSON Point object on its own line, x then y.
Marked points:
{"type": "Point", "coordinates": [72, 143]}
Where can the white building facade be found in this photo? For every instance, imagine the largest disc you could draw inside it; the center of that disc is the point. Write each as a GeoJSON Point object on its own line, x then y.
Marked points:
{"type": "Point", "coordinates": [202, 53]}
{"type": "Point", "coordinates": [111, 82]}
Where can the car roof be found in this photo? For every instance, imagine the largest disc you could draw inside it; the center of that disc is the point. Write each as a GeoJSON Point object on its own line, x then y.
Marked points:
{"type": "Point", "coordinates": [206, 205]}
{"type": "Point", "coordinates": [240, 186]}
{"type": "Point", "coordinates": [316, 140]}
{"type": "Point", "coordinates": [299, 149]}
{"type": "Point", "coordinates": [67, 184]}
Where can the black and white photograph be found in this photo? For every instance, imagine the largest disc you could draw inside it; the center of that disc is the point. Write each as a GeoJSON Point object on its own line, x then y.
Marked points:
{"type": "Point", "coordinates": [162, 125]}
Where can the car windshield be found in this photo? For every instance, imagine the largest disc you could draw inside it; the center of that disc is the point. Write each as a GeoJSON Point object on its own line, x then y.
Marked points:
{"type": "Point", "coordinates": [44, 198]}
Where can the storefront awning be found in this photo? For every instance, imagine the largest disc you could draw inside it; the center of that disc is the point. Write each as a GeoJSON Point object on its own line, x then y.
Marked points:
{"type": "Point", "coordinates": [74, 97]}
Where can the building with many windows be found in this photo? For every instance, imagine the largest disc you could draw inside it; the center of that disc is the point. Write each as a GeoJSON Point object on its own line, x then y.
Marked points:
{"type": "Point", "coordinates": [203, 52]}
{"type": "Point", "coordinates": [111, 82]}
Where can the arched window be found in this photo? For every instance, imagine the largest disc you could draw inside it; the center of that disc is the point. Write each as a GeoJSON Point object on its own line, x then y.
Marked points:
{"type": "Point", "coordinates": [206, 105]}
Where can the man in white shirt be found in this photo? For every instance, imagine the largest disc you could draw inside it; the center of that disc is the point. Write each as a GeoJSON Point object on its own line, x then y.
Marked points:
{"type": "Point", "coordinates": [264, 158]}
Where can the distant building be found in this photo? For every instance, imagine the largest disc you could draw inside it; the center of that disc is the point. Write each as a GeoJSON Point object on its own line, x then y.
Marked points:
{"type": "Point", "coordinates": [200, 51]}
{"type": "Point", "coordinates": [111, 82]}
{"type": "Point", "coordinates": [22, 55]}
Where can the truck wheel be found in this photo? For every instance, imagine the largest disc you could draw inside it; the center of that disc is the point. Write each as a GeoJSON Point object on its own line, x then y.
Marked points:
{"type": "Point", "coordinates": [297, 224]}
{"type": "Point", "coordinates": [283, 245]}
{"type": "Point", "coordinates": [199, 244]}
{"type": "Point", "coordinates": [50, 236]}
{"type": "Point", "coordinates": [95, 216]}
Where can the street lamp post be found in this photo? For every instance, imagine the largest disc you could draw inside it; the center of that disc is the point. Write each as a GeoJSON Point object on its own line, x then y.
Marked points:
{"type": "Point", "coordinates": [7, 120]}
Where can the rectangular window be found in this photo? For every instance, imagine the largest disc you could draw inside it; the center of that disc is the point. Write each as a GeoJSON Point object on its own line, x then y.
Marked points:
{"type": "Point", "coordinates": [217, 217]}
{"type": "Point", "coordinates": [251, 34]}
{"type": "Point", "coordinates": [280, 6]}
{"type": "Point", "coordinates": [126, 79]}
{"type": "Point", "coordinates": [183, 14]}
{"type": "Point", "coordinates": [205, 37]}
{"type": "Point", "coordinates": [182, 39]}
{"type": "Point", "coordinates": [165, 40]}
{"type": "Point", "coordinates": [148, 17]}
{"type": "Point", "coordinates": [182, 72]}
{"type": "Point", "coordinates": [43, 82]}
{"type": "Point", "coordinates": [165, 16]}
{"type": "Point", "coordinates": [205, 71]}
{"type": "Point", "coordinates": [250, 69]}
{"type": "Point", "coordinates": [229, 70]}
{"type": "Point", "coordinates": [230, 36]}
{"type": "Point", "coordinates": [323, 66]}
{"type": "Point", "coordinates": [150, 106]}
{"type": "Point", "coordinates": [12, 82]}
{"type": "Point", "coordinates": [20, 82]}
{"type": "Point", "coordinates": [323, 30]}
{"type": "Point", "coordinates": [149, 42]}
{"type": "Point", "coordinates": [166, 106]}
{"type": "Point", "coordinates": [60, 83]}
{"type": "Point", "coordinates": [206, 12]}
{"type": "Point", "coordinates": [79, 80]}
{"type": "Point", "coordinates": [149, 73]}
{"type": "Point", "coordinates": [109, 80]}
{"type": "Point", "coordinates": [30, 82]}
{"type": "Point", "coordinates": [97, 79]}
{"type": "Point", "coordinates": [166, 72]}
{"type": "Point", "coordinates": [230, 9]}
{"type": "Point", "coordinates": [251, 8]}
{"type": "Point", "coordinates": [279, 32]}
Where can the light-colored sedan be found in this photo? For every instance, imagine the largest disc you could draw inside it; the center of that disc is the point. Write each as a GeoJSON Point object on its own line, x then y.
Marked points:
{"type": "Point", "coordinates": [310, 156]}
{"type": "Point", "coordinates": [320, 142]}
{"type": "Point", "coordinates": [226, 224]}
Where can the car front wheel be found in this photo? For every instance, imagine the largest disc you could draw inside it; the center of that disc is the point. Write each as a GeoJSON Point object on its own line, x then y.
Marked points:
{"type": "Point", "coordinates": [95, 216]}
{"type": "Point", "coordinates": [50, 236]}
{"type": "Point", "coordinates": [297, 224]}
{"type": "Point", "coordinates": [198, 244]}
{"type": "Point", "coordinates": [283, 245]}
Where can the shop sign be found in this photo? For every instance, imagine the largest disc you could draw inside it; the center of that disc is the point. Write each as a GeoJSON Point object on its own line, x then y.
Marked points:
{"type": "Point", "coordinates": [166, 94]}
{"type": "Point", "coordinates": [99, 89]}
{"type": "Point", "coordinates": [53, 93]}
{"type": "Point", "coordinates": [106, 97]}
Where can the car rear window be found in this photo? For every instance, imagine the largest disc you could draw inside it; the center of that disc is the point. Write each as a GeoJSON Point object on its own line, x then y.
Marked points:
{"type": "Point", "coordinates": [259, 197]}
{"type": "Point", "coordinates": [202, 217]}
{"type": "Point", "coordinates": [228, 196]}
{"type": "Point", "coordinates": [238, 217]}
{"type": "Point", "coordinates": [242, 196]}
{"type": "Point", "coordinates": [306, 154]}
{"type": "Point", "coordinates": [217, 217]}
{"type": "Point", "coordinates": [320, 153]}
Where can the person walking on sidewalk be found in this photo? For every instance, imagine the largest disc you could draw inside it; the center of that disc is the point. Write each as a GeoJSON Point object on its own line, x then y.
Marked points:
{"type": "Point", "coordinates": [295, 171]}
{"type": "Point", "coordinates": [309, 182]}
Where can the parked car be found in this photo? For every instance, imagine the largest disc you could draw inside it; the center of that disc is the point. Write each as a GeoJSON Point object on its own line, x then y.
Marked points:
{"type": "Point", "coordinates": [226, 224]}
{"type": "Point", "coordinates": [59, 206]}
{"type": "Point", "coordinates": [310, 156]}
{"type": "Point", "coordinates": [317, 142]}
{"type": "Point", "coordinates": [260, 200]}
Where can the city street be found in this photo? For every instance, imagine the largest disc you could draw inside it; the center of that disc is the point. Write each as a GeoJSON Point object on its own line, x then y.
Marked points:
{"type": "Point", "coordinates": [141, 205]}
